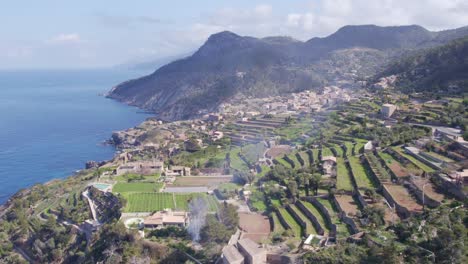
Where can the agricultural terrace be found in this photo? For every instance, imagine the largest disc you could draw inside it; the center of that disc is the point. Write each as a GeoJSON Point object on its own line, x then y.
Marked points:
{"type": "Point", "coordinates": [397, 169]}
{"type": "Point", "coordinates": [349, 148]}
{"type": "Point", "coordinates": [401, 196]}
{"type": "Point", "coordinates": [326, 152]}
{"type": "Point", "coordinates": [309, 226]}
{"type": "Point", "coordinates": [347, 204]}
{"type": "Point", "coordinates": [277, 226]}
{"type": "Point", "coordinates": [317, 214]}
{"type": "Point", "coordinates": [296, 228]}
{"type": "Point", "coordinates": [343, 180]}
{"type": "Point", "coordinates": [413, 160]}
{"type": "Point", "coordinates": [236, 162]}
{"type": "Point", "coordinates": [338, 149]}
{"type": "Point", "coordinates": [360, 174]}
{"type": "Point", "coordinates": [341, 228]}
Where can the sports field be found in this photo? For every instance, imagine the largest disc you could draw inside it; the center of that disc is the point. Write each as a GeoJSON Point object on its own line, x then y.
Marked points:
{"type": "Point", "coordinates": [149, 202]}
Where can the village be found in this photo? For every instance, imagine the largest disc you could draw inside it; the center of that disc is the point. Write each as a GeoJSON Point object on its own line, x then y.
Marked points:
{"type": "Point", "coordinates": [304, 171]}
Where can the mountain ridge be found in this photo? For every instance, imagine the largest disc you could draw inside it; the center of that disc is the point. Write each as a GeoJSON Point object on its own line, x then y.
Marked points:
{"type": "Point", "coordinates": [228, 64]}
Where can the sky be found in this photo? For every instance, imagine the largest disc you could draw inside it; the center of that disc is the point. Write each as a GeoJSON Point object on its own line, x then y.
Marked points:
{"type": "Point", "coordinates": [102, 33]}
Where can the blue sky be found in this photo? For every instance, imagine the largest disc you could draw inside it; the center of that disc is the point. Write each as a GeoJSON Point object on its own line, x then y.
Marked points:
{"type": "Point", "coordinates": [101, 33]}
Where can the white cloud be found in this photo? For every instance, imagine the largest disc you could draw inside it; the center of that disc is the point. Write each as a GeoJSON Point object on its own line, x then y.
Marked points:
{"type": "Point", "coordinates": [324, 17]}
{"type": "Point", "coordinates": [65, 38]}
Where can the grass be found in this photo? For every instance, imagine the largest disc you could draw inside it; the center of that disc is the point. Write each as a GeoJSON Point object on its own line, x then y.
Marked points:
{"type": "Point", "coordinates": [283, 162]}
{"type": "Point", "coordinates": [150, 202]}
{"type": "Point", "coordinates": [310, 229]}
{"type": "Point", "coordinates": [236, 162]}
{"type": "Point", "coordinates": [121, 187]}
{"type": "Point", "coordinates": [315, 155]}
{"type": "Point", "coordinates": [305, 158]}
{"type": "Point", "coordinates": [339, 150]}
{"type": "Point", "coordinates": [341, 228]}
{"type": "Point", "coordinates": [349, 148]}
{"type": "Point", "coordinates": [360, 174]}
{"type": "Point", "coordinates": [182, 200]}
{"type": "Point", "coordinates": [326, 152]}
{"type": "Point", "coordinates": [277, 226]}
{"type": "Point", "coordinates": [438, 156]}
{"type": "Point", "coordinates": [343, 180]}
{"type": "Point", "coordinates": [317, 215]}
{"type": "Point", "coordinates": [296, 228]}
{"type": "Point", "coordinates": [413, 160]}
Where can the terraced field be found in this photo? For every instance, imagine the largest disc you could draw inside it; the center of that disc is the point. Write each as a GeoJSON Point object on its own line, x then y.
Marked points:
{"type": "Point", "coordinates": [326, 152]}
{"type": "Point", "coordinates": [339, 150]}
{"type": "Point", "coordinates": [341, 228]}
{"type": "Point", "coordinates": [413, 160]}
{"type": "Point", "coordinates": [283, 162]}
{"type": "Point", "coordinates": [343, 180]}
{"type": "Point", "coordinates": [360, 174]}
{"type": "Point", "coordinates": [315, 155]}
{"type": "Point", "coordinates": [293, 158]}
{"type": "Point", "coordinates": [317, 215]}
{"type": "Point", "coordinates": [349, 148]}
{"type": "Point", "coordinates": [305, 158]}
{"type": "Point", "coordinates": [277, 226]}
{"type": "Point", "coordinates": [309, 226]}
{"type": "Point", "coordinates": [296, 228]}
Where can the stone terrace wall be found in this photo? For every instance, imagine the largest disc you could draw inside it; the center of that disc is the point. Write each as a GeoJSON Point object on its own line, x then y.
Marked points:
{"type": "Point", "coordinates": [402, 211]}
{"type": "Point", "coordinates": [324, 211]}
{"type": "Point", "coordinates": [346, 219]}
{"type": "Point", "coordinates": [311, 217]}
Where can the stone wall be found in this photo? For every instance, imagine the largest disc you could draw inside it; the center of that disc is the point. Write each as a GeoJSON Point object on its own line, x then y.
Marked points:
{"type": "Point", "coordinates": [311, 217]}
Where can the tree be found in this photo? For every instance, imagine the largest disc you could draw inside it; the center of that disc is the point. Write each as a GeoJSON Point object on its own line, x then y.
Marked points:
{"type": "Point", "coordinates": [293, 190]}
{"type": "Point", "coordinates": [314, 182]}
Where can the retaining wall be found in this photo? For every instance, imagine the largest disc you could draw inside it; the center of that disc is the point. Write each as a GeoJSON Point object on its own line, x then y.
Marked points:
{"type": "Point", "coordinates": [311, 217]}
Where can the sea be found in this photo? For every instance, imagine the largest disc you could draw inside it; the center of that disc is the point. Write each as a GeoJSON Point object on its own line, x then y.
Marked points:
{"type": "Point", "coordinates": [53, 121]}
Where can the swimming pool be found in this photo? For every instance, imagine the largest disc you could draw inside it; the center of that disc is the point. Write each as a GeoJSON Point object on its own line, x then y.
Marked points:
{"type": "Point", "coordinates": [102, 186]}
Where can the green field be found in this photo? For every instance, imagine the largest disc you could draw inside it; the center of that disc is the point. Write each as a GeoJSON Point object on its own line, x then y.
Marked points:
{"type": "Point", "coordinates": [310, 229]}
{"type": "Point", "coordinates": [277, 226]}
{"type": "Point", "coordinates": [339, 150]}
{"type": "Point", "coordinates": [341, 228]}
{"type": "Point", "coordinates": [315, 155]}
{"type": "Point", "coordinates": [349, 148]}
{"type": "Point", "coordinates": [290, 220]}
{"type": "Point", "coordinates": [326, 152]}
{"type": "Point", "coordinates": [343, 180]}
{"type": "Point", "coordinates": [236, 162]}
{"type": "Point", "coordinates": [149, 202]}
{"type": "Point", "coordinates": [413, 160]}
{"type": "Point", "coordinates": [317, 215]}
{"type": "Point", "coordinates": [122, 187]}
{"type": "Point", "coordinates": [360, 175]}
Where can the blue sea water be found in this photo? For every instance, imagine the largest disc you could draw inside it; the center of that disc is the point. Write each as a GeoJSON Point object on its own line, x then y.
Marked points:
{"type": "Point", "coordinates": [52, 122]}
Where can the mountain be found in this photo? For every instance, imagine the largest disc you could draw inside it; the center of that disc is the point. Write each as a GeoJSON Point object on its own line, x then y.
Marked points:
{"type": "Point", "coordinates": [440, 69]}
{"type": "Point", "coordinates": [150, 64]}
{"type": "Point", "coordinates": [228, 64]}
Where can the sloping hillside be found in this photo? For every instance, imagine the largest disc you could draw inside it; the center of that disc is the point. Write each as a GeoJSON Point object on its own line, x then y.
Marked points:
{"type": "Point", "coordinates": [228, 64]}
{"type": "Point", "coordinates": [441, 69]}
